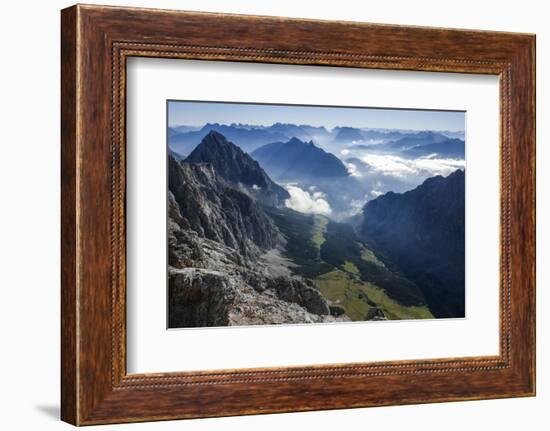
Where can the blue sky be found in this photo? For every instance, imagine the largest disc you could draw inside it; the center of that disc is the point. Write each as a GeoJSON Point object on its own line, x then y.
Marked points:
{"type": "Point", "coordinates": [199, 113]}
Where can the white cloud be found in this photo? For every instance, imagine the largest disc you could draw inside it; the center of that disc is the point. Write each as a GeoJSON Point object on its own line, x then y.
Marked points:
{"type": "Point", "coordinates": [305, 202]}
{"type": "Point", "coordinates": [376, 141]}
{"type": "Point", "coordinates": [352, 170]}
{"type": "Point", "coordinates": [389, 165]}
{"type": "Point", "coordinates": [358, 204]}
{"type": "Point", "coordinates": [369, 142]}
{"type": "Point", "coordinates": [344, 152]}
{"type": "Point", "coordinates": [376, 193]}
{"type": "Point", "coordinates": [402, 168]}
{"type": "Point", "coordinates": [439, 166]}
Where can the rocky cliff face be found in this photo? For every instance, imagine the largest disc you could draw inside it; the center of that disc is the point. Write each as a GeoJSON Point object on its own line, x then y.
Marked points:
{"type": "Point", "coordinates": [225, 262]}
{"type": "Point", "coordinates": [238, 168]}
{"type": "Point", "coordinates": [204, 297]}
{"type": "Point", "coordinates": [217, 211]}
{"type": "Point", "coordinates": [421, 233]}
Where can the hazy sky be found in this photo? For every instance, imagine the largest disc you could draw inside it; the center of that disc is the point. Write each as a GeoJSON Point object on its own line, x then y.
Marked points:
{"type": "Point", "coordinates": [199, 113]}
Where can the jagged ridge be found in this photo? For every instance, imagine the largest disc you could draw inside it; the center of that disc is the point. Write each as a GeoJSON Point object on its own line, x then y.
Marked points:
{"type": "Point", "coordinates": [217, 211]}
{"type": "Point", "coordinates": [238, 168]}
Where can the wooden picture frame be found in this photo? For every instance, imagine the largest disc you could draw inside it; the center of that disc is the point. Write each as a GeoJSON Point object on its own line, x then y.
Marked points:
{"type": "Point", "coordinates": [95, 43]}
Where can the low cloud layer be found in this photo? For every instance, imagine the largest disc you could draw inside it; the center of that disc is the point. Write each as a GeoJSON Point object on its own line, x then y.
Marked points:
{"type": "Point", "coordinates": [307, 202]}
{"type": "Point", "coordinates": [402, 168]}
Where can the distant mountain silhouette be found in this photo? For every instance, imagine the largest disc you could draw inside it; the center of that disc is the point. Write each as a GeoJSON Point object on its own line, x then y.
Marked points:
{"type": "Point", "coordinates": [238, 168]}
{"type": "Point", "coordinates": [297, 159]}
{"type": "Point", "coordinates": [385, 134]}
{"type": "Point", "coordinates": [420, 138]}
{"type": "Point", "coordinates": [421, 233]}
{"type": "Point", "coordinates": [246, 138]}
{"type": "Point", "coordinates": [315, 130]}
{"type": "Point", "coordinates": [450, 148]}
{"type": "Point", "coordinates": [347, 134]}
{"type": "Point", "coordinates": [302, 132]}
{"type": "Point", "coordinates": [453, 134]}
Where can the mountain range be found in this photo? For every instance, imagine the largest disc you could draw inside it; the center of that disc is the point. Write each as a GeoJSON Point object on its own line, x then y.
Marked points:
{"type": "Point", "coordinates": [409, 141]}
{"type": "Point", "coordinates": [449, 148]}
{"type": "Point", "coordinates": [248, 139]}
{"type": "Point", "coordinates": [239, 255]}
{"type": "Point", "coordinates": [183, 139]}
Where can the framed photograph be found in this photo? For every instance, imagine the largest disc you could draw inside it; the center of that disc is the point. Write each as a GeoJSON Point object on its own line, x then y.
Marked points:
{"type": "Point", "coordinates": [264, 215]}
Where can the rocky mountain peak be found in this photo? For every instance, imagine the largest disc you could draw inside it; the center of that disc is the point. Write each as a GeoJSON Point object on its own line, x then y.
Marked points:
{"type": "Point", "coordinates": [238, 168]}
{"type": "Point", "coordinates": [215, 210]}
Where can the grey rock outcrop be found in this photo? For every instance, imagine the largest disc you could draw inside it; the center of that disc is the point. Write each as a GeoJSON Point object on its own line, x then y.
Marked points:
{"type": "Point", "coordinates": [238, 168]}
{"type": "Point", "coordinates": [337, 310]}
{"type": "Point", "coordinates": [375, 313]}
{"type": "Point", "coordinates": [204, 297]}
{"type": "Point", "coordinates": [295, 290]}
{"type": "Point", "coordinates": [199, 297]}
{"type": "Point", "coordinates": [225, 264]}
{"type": "Point", "coordinates": [209, 206]}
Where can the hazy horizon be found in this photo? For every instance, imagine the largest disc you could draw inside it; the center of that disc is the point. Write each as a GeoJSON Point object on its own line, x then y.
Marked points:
{"type": "Point", "coordinates": [197, 114]}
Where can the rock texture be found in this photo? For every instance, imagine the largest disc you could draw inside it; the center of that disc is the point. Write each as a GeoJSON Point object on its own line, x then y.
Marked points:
{"type": "Point", "coordinates": [204, 297]}
{"type": "Point", "coordinates": [225, 261]}
{"type": "Point", "coordinates": [211, 207]}
{"type": "Point", "coordinates": [238, 168]}
{"type": "Point", "coordinates": [375, 313]}
{"type": "Point", "coordinates": [200, 297]}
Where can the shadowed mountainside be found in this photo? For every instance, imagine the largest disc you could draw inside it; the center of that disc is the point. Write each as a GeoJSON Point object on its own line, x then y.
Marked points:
{"type": "Point", "coordinates": [297, 159]}
{"type": "Point", "coordinates": [422, 233]}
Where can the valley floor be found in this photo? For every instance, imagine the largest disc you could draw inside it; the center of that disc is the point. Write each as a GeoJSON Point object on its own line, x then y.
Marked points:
{"type": "Point", "coordinates": [344, 269]}
{"type": "Point", "coordinates": [363, 300]}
